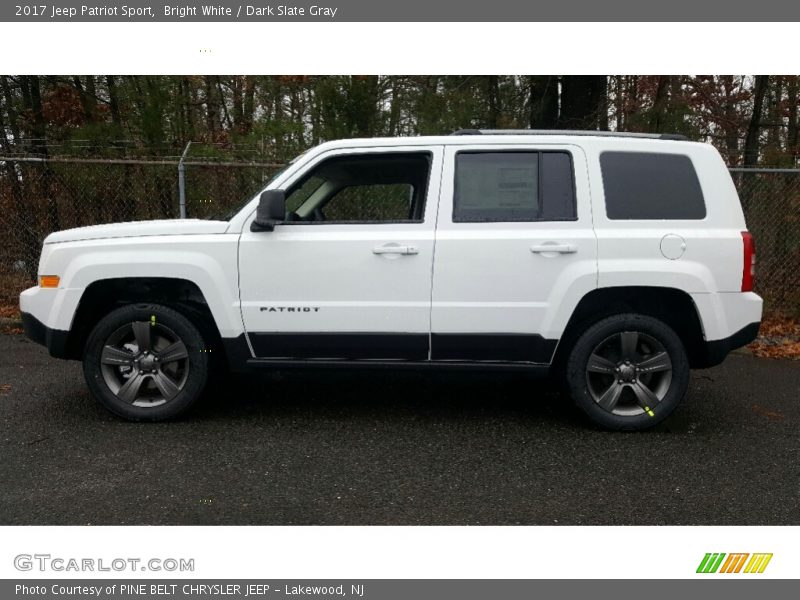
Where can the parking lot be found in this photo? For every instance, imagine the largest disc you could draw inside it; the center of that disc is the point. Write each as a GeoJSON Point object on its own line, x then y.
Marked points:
{"type": "Point", "coordinates": [370, 448]}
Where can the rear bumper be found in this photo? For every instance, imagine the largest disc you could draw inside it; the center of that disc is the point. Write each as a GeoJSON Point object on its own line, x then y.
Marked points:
{"type": "Point", "coordinates": [730, 320]}
{"type": "Point", "coordinates": [717, 350]}
{"type": "Point", "coordinates": [54, 340]}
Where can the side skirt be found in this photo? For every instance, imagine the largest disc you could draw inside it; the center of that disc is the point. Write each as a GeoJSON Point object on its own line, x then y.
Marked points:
{"type": "Point", "coordinates": [240, 360]}
{"type": "Point", "coordinates": [434, 365]}
{"type": "Point", "coordinates": [390, 351]}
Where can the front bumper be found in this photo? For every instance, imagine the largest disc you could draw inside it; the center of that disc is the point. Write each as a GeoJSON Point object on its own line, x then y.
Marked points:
{"type": "Point", "coordinates": [54, 340]}
{"type": "Point", "coordinates": [40, 309]}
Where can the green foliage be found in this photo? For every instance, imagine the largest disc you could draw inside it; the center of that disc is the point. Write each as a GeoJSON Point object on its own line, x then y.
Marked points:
{"type": "Point", "coordinates": [276, 117]}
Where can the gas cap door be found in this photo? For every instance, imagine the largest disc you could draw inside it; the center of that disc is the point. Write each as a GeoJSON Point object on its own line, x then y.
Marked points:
{"type": "Point", "coordinates": [673, 246]}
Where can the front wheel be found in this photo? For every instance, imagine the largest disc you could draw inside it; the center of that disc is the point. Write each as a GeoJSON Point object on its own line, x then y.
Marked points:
{"type": "Point", "coordinates": [145, 362]}
{"type": "Point", "coordinates": [628, 372]}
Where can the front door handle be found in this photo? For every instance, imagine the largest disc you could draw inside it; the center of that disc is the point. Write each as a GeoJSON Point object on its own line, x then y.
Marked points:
{"type": "Point", "coordinates": [548, 247]}
{"type": "Point", "coordinates": [395, 249]}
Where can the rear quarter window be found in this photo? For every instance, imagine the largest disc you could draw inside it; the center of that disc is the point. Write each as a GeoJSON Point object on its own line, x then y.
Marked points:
{"type": "Point", "coordinates": [648, 186]}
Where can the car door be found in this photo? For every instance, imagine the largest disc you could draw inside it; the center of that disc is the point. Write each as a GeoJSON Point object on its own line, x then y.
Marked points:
{"type": "Point", "coordinates": [348, 275]}
{"type": "Point", "coordinates": [515, 251]}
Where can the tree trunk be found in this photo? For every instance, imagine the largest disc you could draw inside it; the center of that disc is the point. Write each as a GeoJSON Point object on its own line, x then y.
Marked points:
{"type": "Point", "coordinates": [751, 141]}
{"type": "Point", "coordinates": [580, 101]}
{"type": "Point", "coordinates": [543, 101]}
{"type": "Point", "coordinates": [394, 107]}
{"type": "Point", "coordinates": [28, 245]}
{"type": "Point", "coordinates": [13, 122]}
{"type": "Point", "coordinates": [792, 135]}
{"type": "Point", "coordinates": [658, 113]}
{"type": "Point", "coordinates": [249, 102]}
{"type": "Point", "coordinates": [212, 106]}
{"type": "Point", "coordinates": [113, 105]}
{"type": "Point", "coordinates": [238, 103]}
{"type": "Point", "coordinates": [88, 97]}
{"type": "Point", "coordinates": [39, 146]}
{"type": "Point", "coordinates": [493, 101]}
{"type": "Point", "coordinates": [602, 121]}
{"type": "Point", "coordinates": [774, 120]}
{"type": "Point", "coordinates": [730, 128]}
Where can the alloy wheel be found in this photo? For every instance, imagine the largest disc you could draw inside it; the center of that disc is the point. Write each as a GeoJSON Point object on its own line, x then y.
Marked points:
{"type": "Point", "coordinates": [145, 364]}
{"type": "Point", "coordinates": [629, 373]}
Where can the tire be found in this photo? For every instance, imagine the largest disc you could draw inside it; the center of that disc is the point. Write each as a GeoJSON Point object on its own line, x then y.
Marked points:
{"type": "Point", "coordinates": [627, 372]}
{"type": "Point", "coordinates": [157, 383]}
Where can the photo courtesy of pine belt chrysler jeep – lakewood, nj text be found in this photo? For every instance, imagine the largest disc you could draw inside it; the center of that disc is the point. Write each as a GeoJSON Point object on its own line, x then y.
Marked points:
{"type": "Point", "coordinates": [616, 262]}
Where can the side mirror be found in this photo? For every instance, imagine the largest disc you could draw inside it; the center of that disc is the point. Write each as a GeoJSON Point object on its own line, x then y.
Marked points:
{"type": "Point", "coordinates": [271, 210]}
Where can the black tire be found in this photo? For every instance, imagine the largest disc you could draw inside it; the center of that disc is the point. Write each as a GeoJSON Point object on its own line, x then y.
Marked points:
{"type": "Point", "coordinates": [619, 388]}
{"type": "Point", "coordinates": [169, 377]}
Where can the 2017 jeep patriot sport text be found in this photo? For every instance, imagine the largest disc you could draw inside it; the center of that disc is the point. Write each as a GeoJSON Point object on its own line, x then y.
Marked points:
{"type": "Point", "coordinates": [616, 261]}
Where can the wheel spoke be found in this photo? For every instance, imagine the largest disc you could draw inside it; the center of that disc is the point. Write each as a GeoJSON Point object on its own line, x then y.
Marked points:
{"type": "Point", "coordinates": [116, 356]}
{"type": "Point", "coordinates": [176, 351]}
{"type": "Point", "coordinates": [628, 342]}
{"type": "Point", "coordinates": [610, 397]}
{"type": "Point", "coordinates": [141, 331]}
{"type": "Point", "coordinates": [644, 396]}
{"type": "Point", "coordinates": [165, 385]}
{"type": "Point", "coordinates": [598, 364]}
{"type": "Point", "coordinates": [658, 362]}
{"type": "Point", "coordinates": [130, 390]}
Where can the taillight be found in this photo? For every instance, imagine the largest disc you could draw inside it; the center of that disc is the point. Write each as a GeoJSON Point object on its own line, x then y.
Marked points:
{"type": "Point", "coordinates": [749, 267]}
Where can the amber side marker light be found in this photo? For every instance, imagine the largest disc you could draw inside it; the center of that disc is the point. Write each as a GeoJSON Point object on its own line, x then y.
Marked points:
{"type": "Point", "coordinates": [49, 281]}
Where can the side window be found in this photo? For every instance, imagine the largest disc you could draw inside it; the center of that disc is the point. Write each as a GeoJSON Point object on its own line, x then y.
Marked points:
{"type": "Point", "coordinates": [513, 186]}
{"type": "Point", "coordinates": [362, 188]}
{"type": "Point", "coordinates": [643, 185]}
{"type": "Point", "coordinates": [372, 202]}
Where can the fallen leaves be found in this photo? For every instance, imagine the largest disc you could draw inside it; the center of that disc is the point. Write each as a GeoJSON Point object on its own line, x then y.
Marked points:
{"type": "Point", "coordinates": [9, 319]}
{"type": "Point", "coordinates": [9, 311]}
{"type": "Point", "coordinates": [778, 337]}
{"type": "Point", "coordinates": [765, 412]}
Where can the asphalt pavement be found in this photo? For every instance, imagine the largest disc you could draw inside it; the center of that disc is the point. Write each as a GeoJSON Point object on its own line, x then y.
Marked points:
{"type": "Point", "coordinates": [380, 448]}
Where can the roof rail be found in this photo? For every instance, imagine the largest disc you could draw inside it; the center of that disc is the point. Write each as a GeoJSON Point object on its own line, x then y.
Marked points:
{"type": "Point", "coordinates": [628, 134]}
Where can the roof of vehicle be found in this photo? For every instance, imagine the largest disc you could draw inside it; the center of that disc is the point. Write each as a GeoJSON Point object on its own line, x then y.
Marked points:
{"type": "Point", "coordinates": [511, 136]}
{"type": "Point", "coordinates": [577, 132]}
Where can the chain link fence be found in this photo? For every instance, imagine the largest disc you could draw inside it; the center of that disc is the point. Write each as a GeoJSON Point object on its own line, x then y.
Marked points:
{"type": "Point", "coordinates": [39, 196]}
{"type": "Point", "coordinates": [771, 202]}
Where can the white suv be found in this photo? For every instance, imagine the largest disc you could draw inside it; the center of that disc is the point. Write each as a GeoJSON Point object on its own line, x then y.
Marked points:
{"type": "Point", "coordinates": [616, 261]}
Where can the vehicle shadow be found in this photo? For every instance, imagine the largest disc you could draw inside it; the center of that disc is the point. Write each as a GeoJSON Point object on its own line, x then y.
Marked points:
{"type": "Point", "coordinates": [370, 395]}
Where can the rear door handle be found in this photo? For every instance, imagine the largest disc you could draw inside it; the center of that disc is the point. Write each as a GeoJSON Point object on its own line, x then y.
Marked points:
{"type": "Point", "coordinates": [553, 247]}
{"type": "Point", "coordinates": [395, 249]}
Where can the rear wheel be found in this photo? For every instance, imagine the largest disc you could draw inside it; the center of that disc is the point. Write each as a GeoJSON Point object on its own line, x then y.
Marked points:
{"type": "Point", "coordinates": [146, 362]}
{"type": "Point", "coordinates": [628, 372]}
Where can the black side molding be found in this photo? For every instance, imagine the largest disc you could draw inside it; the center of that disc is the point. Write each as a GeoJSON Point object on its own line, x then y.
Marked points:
{"type": "Point", "coordinates": [414, 365]}
{"type": "Point", "coordinates": [344, 345]}
{"type": "Point", "coordinates": [531, 353]}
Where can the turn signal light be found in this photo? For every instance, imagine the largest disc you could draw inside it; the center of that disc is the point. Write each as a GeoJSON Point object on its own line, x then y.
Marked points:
{"type": "Point", "coordinates": [49, 281]}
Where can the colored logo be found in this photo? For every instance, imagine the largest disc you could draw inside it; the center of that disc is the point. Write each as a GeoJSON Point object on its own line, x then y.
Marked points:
{"type": "Point", "coordinates": [742, 562]}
